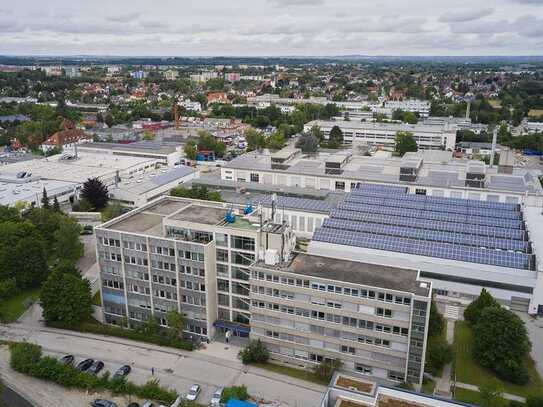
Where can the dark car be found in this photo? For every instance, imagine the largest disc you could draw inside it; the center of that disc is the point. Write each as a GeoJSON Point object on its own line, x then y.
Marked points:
{"type": "Point", "coordinates": [122, 371]}
{"type": "Point", "coordinates": [96, 367]}
{"type": "Point", "coordinates": [103, 403]}
{"type": "Point", "coordinates": [68, 360]}
{"type": "Point", "coordinates": [84, 365]}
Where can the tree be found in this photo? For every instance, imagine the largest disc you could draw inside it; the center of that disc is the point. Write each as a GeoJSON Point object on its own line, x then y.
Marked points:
{"type": "Point", "coordinates": [108, 120]}
{"type": "Point", "coordinates": [436, 321]}
{"type": "Point", "coordinates": [308, 143]}
{"type": "Point", "coordinates": [96, 193]}
{"type": "Point", "coordinates": [66, 243]}
{"type": "Point", "coordinates": [336, 137]}
{"type": "Point", "coordinates": [254, 352]}
{"type": "Point", "coordinates": [56, 205]}
{"type": "Point", "coordinates": [255, 140]}
{"type": "Point", "coordinates": [317, 132]}
{"type": "Point", "coordinates": [501, 343]}
{"type": "Point", "coordinates": [473, 311]}
{"type": "Point", "coordinates": [111, 211]}
{"type": "Point", "coordinates": [276, 141]}
{"type": "Point", "coordinates": [176, 322]}
{"type": "Point", "coordinates": [66, 299]}
{"type": "Point", "coordinates": [234, 392]}
{"type": "Point", "coordinates": [191, 151]}
{"type": "Point", "coordinates": [405, 143]}
{"type": "Point", "coordinates": [534, 401]}
{"type": "Point", "coordinates": [148, 135]}
{"type": "Point", "coordinates": [45, 200]}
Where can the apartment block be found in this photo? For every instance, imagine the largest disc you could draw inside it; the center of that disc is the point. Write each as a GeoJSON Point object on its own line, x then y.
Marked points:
{"type": "Point", "coordinates": [373, 318]}
{"type": "Point", "coordinates": [184, 255]}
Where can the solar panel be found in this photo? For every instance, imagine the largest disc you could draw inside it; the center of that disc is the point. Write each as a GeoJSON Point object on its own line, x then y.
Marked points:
{"type": "Point", "coordinates": [430, 235]}
{"type": "Point", "coordinates": [428, 224]}
{"type": "Point", "coordinates": [394, 201]}
{"type": "Point", "coordinates": [425, 248]}
{"type": "Point", "coordinates": [429, 215]}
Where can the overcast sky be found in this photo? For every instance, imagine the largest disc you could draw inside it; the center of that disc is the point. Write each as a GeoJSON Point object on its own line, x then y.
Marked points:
{"type": "Point", "coordinates": [271, 27]}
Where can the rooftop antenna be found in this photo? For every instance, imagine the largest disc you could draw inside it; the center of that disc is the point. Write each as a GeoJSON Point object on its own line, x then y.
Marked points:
{"type": "Point", "coordinates": [494, 141]}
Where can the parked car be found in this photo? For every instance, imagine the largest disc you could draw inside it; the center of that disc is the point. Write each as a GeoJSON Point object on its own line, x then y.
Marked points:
{"type": "Point", "coordinates": [216, 398]}
{"type": "Point", "coordinates": [122, 372]}
{"type": "Point", "coordinates": [84, 365]}
{"type": "Point", "coordinates": [87, 230]}
{"type": "Point", "coordinates": [103, 403]}
{"type": "Point", "coordinates": [193, 393]}
{"type": "Point", "coordinates": [96, 367]}
{"type": "Point", "coordinates": [68, 360]}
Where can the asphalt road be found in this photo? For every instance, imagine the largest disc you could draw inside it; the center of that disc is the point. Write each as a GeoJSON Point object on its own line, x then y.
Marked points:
{"type": "Point", "coordinates": [175, 369]}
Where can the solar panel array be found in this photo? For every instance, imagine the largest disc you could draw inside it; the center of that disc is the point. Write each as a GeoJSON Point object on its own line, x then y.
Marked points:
{"type": "Point", "coordinates": [425, 248]}
{"type": "Point", "coordinates": [388, 218]}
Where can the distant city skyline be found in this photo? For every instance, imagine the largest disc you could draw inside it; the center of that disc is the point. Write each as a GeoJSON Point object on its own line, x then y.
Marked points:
{"type": "Point", "coordinates": [272, 28]}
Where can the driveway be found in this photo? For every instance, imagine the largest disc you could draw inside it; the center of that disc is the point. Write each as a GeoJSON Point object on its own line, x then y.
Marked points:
{"type": "Point", "coordinates": [211, 368]}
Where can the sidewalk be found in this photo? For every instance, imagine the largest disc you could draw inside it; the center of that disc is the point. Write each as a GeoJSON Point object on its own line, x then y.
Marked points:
{"type": "Point", "coordinates": [506, 396]}
{"type": "Point", "coordinates": [443, 384]}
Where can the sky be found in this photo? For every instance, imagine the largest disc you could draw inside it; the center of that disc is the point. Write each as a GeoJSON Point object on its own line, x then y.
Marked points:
{"type": "Point", "coordinates": [271, 27]}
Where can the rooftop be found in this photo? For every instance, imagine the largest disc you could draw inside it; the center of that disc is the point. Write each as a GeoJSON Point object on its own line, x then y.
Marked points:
{"type": "Point", "coordinates": [200, 214]}
{"type": "Point", "coordinates": [372, 275]}
{"type": "Point", "coordinates": [143, 147]}
{"type": "Point", "coordinates": [152, 180]}
{"type": "Point", "coordinates": [144, 223]}
{"type": "Point", "coordinates": [437, 170]}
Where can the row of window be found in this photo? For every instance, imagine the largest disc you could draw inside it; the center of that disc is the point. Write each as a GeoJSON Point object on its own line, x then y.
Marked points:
{"type": "Point", "coordinates": [190, 285]}
{"type": "Point", "coordinates": [336, 319]}
{"type": "Point", "coordinates": [331, 288]}
{"type": "Point", "coordinates": [236, 242]}
{"type": "Point", "coordinates": [119, 285]}
{"type": "Point", "coordinates": [142, 247]}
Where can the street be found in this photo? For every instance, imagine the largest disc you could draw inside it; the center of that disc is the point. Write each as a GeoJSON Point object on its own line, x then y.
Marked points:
{"type": "Point", "coordinates": [211, 368]}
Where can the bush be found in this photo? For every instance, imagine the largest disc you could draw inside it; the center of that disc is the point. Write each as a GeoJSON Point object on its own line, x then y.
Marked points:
{"type": "Point", "coordinates": [8, 289]}
{"type": "Point", "coordinates": [325, 369]}
{"type": "Point", "coordinates": [234, 392]}
{"type": "Point", "coordinates": [513, 372]}
{"type": "Point", "coordinates": [534, 401]}
{"type": "Point", "coordinates": [160, 338]}
{"type": "Point", "coordinates": [254, 352]}
{"type": "Point", "coordinates": [27, 358]}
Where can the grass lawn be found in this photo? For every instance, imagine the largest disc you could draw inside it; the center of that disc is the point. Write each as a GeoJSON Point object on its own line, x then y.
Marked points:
{"type": "Point", "coordinates": [468, 371]}
{"type": "Point", "coordinates": [467, 396]}
{"type": "Point", "coordinates": [13, 308]}
{"type": "Point", "coordinates": [292, 372]}
{"type": "Point", "coordinates": [428, 386]}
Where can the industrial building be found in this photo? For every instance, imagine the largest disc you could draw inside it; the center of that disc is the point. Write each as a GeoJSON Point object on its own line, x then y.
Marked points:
{"type": "Point", "coordinates": [429, 137]}
{"type": "Point", "coordinates": [431, 173]}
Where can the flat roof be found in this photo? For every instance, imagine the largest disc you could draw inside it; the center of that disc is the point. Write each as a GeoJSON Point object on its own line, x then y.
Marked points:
{"type": "Point", "coordinates": [372, 275]}
{"type": "Point", "coordinates": [142, 147]}
{"type": "Point", "coordinates": [434, 172]}
{"type": "Point", "coordinates": [200, 214]}
{"type": "Point", "coordinates": [153, 179]}
{"type": "Point", "coordinates": [142, 223]}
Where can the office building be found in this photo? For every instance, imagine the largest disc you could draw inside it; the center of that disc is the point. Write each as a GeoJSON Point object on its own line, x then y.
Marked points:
{"type": "Point", "coordinates": [308, 309]}
{"type": "Point", "coordinates": [185, 255]}
{"type": "Point", "coordinates": [421, 107]}
{"type": "Point", "coordinates": [383, 135]}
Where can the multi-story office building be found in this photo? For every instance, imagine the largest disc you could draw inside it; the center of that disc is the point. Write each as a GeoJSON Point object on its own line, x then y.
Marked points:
{"type": "Point", "coordinates": [428, 137]}
{"type": "Point", "coordinates": [184, 255]}
{"type": "Point", "coordinates": [422, 107]}
{"type": "Point", "coordinates": [373, 318]}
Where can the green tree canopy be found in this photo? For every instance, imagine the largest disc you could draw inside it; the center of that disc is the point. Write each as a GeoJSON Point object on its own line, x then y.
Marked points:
{"type": "Point", "coordinates": [405, 143]}
{"type": "Point", "coordinates": [308, 143]}
{"type": "Point", "coordinates": [255, 140]}
{"type": "Point", "coordinates": [276, 141]}
{"type": "Point", "coordinates": [95, 192]}
{"type": "Point", "coordinates": [472, 313]}
{"type": "Point", "coordinates": [336, 137]}
{"type": "Point", "coordinates": [501, 343]}
{"type": "Point", "coordinates": [191, 151]}
{"type": "Point", "coordinates": [66, 299]}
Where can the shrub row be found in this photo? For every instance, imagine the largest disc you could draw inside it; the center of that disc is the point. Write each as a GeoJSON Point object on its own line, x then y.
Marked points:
{"type": "Point", "coordinates": [27, 358]}
{"type": "Point", "coordinates": [234, 392]}
{"type": "Point", "coordinates": [156, 339]}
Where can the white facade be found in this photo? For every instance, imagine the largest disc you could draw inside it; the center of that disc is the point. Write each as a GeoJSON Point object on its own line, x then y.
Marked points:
{"type": "Point", "coordinates": [384, 134]}
{"type": "Point", "coordinates": [422, 107]}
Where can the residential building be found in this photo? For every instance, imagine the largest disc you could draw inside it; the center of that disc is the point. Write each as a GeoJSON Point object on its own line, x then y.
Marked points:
{"type": "Point", "coordinates": [72, 72]}
{"type": "Point", "coordinates": [138, 74]}
{"type": "Point", "coordinates": [232, 77]}
{"type": "Point", "coordinates": [171, 75]}
{"type": "Point", "coordinates": [66, 138]}
{"type": "Point", "coordinates": [384, 134]}
{"type": "Point", "coordinates": [217, 97]}
{"type": "Point", "coordinates": [309, 309]}
{"type": "Point", "coordinates": [203, 77]}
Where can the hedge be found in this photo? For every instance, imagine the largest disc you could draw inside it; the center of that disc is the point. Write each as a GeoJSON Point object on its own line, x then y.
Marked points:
{"type": "Point", "coordinates": [27, 358]}
{"type": "Point", "coordinates": [158, 339]}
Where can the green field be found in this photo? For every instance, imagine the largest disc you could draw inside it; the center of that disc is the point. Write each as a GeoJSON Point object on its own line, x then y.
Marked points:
{"type": "Point", "coordinates": [468, 371]}
{"type": "Point", "coordinates": [12, 309]}
{"type": "Point", "coordinates": [292, 372]}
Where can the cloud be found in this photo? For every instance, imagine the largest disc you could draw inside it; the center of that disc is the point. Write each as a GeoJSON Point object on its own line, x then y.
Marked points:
{"type": "Point", "coordinates": [296, 3]}
{"type": "Point", "coordinates": [123, 18]}
{"type": "Point", "coordinates": [465, 15]}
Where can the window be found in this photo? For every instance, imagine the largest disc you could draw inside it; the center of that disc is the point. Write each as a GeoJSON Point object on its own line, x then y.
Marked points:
{"type": "Point", "coordinates": [363, 368]}
{"type": "Point", "coordinates": [222, 255]}
{"type": "Point", "coordinates": [420, 191]}
{"type": "Point", "coordinates": [243, 243]}
{"type": "Point", "coordinates": [347, 349]}
{"type": "Point", "coordinates": [221, 239]}
{"type": "Point", "coordinates": [340, 185]}
{"type": "Point", "coordinates": [255, 177]}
